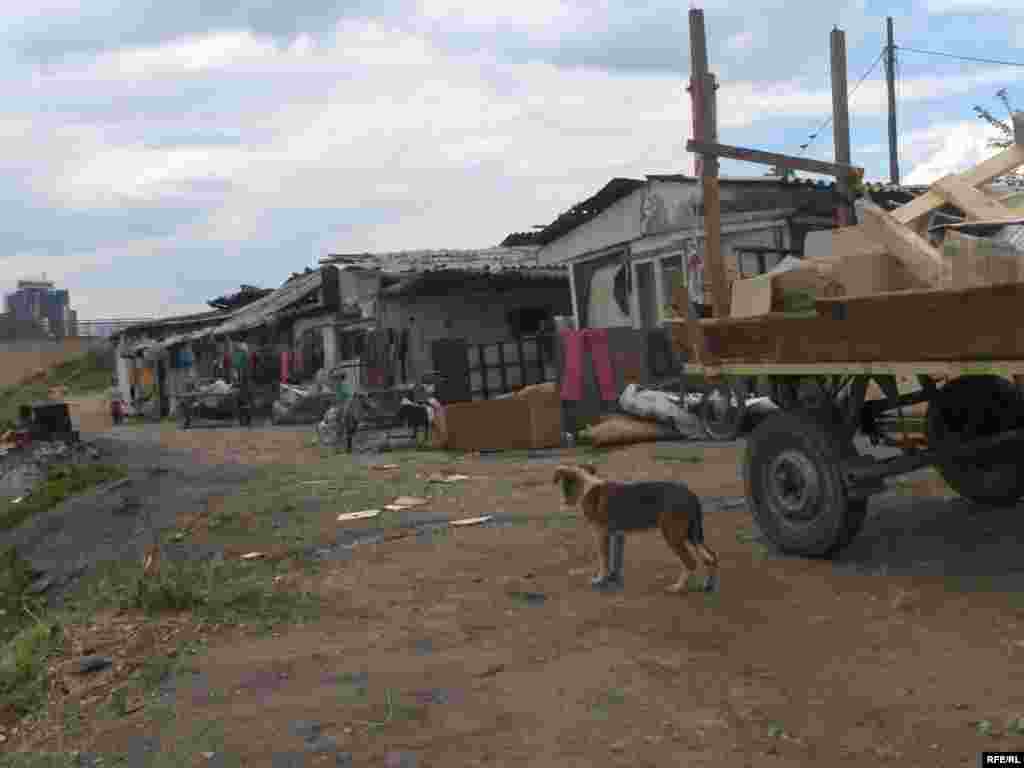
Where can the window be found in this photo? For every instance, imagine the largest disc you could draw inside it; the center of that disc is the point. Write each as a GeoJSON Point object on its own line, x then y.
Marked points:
{"type": "Point", "coordinates": [671, 275]}
{"type": "Point", "coordinates": [528, 321]}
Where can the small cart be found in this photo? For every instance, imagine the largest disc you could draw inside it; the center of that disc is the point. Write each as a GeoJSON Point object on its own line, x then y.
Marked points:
{"type": "Point", "coordinates": [207, 406]}
{"type": "Point", "coordinates": [806, 483]}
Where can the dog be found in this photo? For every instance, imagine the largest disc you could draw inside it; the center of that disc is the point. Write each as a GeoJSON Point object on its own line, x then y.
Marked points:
{"type": "Point", "coordinates": [615, 508]}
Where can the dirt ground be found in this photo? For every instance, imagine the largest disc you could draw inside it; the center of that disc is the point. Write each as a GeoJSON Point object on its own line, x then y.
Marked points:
{"type": "Point", "coordinates": [488, 647]}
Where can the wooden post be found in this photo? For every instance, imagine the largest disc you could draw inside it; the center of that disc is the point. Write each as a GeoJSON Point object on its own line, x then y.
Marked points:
{"type": "Point", "coordinates": [841, 121]}
{"type": "Point", "coordinates": [713, 267]}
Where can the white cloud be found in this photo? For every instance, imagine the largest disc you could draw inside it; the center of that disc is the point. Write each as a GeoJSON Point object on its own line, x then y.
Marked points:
{"type": "Point", "coordinates": [740, 41]}
{"type": "Point", "coordinates": [945, 149]}
{"type": "Point", "coordinates": [397, 144]}
{"type": "Point", "coordinates": [531, 13]}
{"type": "Point", "coordinates": [971, 6]}
{"type": "Point", "coordinates": [114, 175]}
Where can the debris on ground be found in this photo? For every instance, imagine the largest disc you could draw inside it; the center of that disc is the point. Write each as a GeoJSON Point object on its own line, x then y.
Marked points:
{"type": "Point", "coordinates": [627, 430]}
{"type": "Point", "coordinates": [441, 477]}
{"type": "Point", "coordinates": [363, 515]}
{"type": "Point", "coordinates": [405, 502]}
{"type": "Point", "coordinates": [473, 520]}
{"type": "Point", "coordinates": [302, 405]}
{"type": "Point", "coordinates": [661, 407]}
{"type": "Point", "coordinates": [384, 467]}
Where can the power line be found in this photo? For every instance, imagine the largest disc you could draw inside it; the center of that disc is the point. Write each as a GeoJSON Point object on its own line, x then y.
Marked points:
{"type": "Point", "coordinates": [814, 136]}
{"type": "Point", "coordinates": [962, 58]}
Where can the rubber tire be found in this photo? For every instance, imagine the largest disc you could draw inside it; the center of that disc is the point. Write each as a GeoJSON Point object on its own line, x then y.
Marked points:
{"type": "Point", "coordinates": [838, 519]}
{"type": "Point", "coordinates": [722, 431]}
{"type": "Point", "coordinates": [981, 484]}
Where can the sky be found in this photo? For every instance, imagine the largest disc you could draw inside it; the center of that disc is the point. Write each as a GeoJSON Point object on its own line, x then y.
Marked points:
{"type": "Point", "coordinates": [157, 155]}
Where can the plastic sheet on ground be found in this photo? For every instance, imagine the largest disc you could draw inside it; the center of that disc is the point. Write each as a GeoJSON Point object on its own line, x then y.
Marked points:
{"type": "Point", "coordinates": [660, 407]}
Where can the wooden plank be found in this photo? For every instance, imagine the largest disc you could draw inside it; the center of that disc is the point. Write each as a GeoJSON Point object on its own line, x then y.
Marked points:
{"type": "Point", "coordinates": [771, 158]}
{"type": "Point", "coordinates": [963, 325]}
{"type": "Point", "coordinates": [975, 204]}
{"type": "Point", "coordinates": [922, 205]}
{"type": "Point", "coordinates": [938, 369]}
{"type": "Point", "coordinates": [923, 261]}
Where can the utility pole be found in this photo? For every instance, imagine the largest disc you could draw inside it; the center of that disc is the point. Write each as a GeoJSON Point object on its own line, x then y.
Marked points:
{"type": "Point", "coordinates": [702, 90]}
{"type": "Point", "coordinates": [890, 76]}
{"type": "Point", "coordinates": [841, 122]}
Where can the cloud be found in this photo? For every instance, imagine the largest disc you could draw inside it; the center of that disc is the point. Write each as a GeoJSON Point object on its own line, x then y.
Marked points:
{"type": "Point", "coordinates": [166, 160]}
{"type": "Point", "coordinates": [945, 149]}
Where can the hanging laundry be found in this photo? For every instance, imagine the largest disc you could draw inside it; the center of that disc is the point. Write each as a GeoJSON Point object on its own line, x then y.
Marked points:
{"type": "Point", "coordinates": [574, 344]}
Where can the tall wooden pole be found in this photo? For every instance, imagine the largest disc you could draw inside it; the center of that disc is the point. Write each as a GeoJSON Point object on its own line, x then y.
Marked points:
{"type": "Point", "coordinates": [890, 76]}
{"type": "Point", "coordinates": [703, 87]}
{"type": "Point", "coordinates": [841, 121]}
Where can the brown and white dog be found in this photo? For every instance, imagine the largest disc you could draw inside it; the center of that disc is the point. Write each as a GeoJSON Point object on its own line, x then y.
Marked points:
{"type": "Point", "coordinates": [615, 508]}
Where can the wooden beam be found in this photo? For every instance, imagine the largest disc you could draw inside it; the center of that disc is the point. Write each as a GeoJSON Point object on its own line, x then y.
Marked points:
{"type": "Point", "coordinates": [1010, 158]}
{"type": "Point", "coordinates": [975, 204]}
{"type": "Point", "coordinates": [714, 268]}
{"type": "Point", "coordinates": [771, 158]}
{"type": "Point", "coordinates": [919, 257]}
{"type": "Point", "coordinates": [841, 124]}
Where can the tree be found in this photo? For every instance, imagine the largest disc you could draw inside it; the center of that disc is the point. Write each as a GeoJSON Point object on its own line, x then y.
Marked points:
{"type": "Point", "coordinates": [1006, 129]}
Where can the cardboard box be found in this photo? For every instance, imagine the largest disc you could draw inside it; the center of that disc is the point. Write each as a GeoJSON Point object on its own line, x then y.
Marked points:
{"type": "Point", "coordinates": [529, 421]}
{"type": "Point", "coordinates": [763, 294]}
{"type": "Point", "coordinates": [868, 272]}
{"type": "Point", "coordinates": [982, 260]}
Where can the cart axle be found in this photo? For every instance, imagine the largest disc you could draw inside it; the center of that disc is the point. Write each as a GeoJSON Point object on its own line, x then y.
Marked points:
{"type": "Point", "coordinates": [862, 471]}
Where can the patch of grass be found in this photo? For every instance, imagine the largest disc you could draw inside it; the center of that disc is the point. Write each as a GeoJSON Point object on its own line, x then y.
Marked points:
{"type": "Point", "coordinates": [227, 593]}
{"type": "Point", "coordinates": [562, 520]}
{"type": "Point", "coordinates": [685, 458]}
{"type": "Point", "coordinates": [62, 481]}
{"type": "Point", "coordinates": [394, 711]}
{"type": "Point", "coordinates": [40, 760]}
{"type": "Point", "coordinates": [91, 372]}
{"type": "Point", "coordinates": [775, 730]}
{"type": "Point", "coordinates": [352, 688]}
{"type": "Point", "coordinates": [985, 728]}
{"type": "Point", "coordinates": [602, 708]}
{"type": "Point", "coordinates": [23, 664]}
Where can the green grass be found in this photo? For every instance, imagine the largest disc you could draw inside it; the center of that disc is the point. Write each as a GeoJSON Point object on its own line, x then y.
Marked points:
{"type": "Point", "coordinates": [606, 702]}
{"type": "Point", "coordinates": [227, 593]}
{"type": "Point", "coordinates": [92, 372]}
{"type": "Point", "coordinates": [62, 481]}
{"type": "Point", "coordinates": [688, 457]}
{"type": "Point", "coordinates": [23, 664]}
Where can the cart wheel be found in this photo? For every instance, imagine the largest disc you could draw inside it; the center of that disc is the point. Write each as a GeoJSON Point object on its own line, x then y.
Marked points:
{"type": "Point", "coordinates": [723, 411]}
{"type": "Point", "coordinates": [973, 407]}
{"type": "Point", "coordinates": [794, 485]}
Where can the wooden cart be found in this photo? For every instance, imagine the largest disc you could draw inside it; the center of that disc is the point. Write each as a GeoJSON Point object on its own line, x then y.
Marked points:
{"type": "Point", "coordinates": [806, 483]}
{"type": "Point", "coordinates": [229, 406]}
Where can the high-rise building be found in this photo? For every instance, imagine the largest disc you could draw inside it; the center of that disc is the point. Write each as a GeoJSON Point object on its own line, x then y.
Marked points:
{"type": "Point", "coordinates": [40, 302]}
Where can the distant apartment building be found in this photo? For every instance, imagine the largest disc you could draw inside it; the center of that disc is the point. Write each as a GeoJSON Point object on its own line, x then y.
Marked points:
{"type": "Point", "coordinates": [39, 302]}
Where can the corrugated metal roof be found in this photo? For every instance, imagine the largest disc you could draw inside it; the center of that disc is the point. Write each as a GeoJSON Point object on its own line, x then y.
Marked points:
{"type": "Point", "coordinates": [448, 280]}
{"type": "Point", "coordinates": [256, 314]}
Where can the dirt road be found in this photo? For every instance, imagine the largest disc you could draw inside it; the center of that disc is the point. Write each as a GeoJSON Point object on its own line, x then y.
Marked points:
{"type": "Point", "coordinates": [485, 646]}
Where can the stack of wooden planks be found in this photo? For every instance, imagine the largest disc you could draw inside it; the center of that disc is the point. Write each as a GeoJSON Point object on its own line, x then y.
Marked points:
{"type": "Point", "coordinates": [904, 296]}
